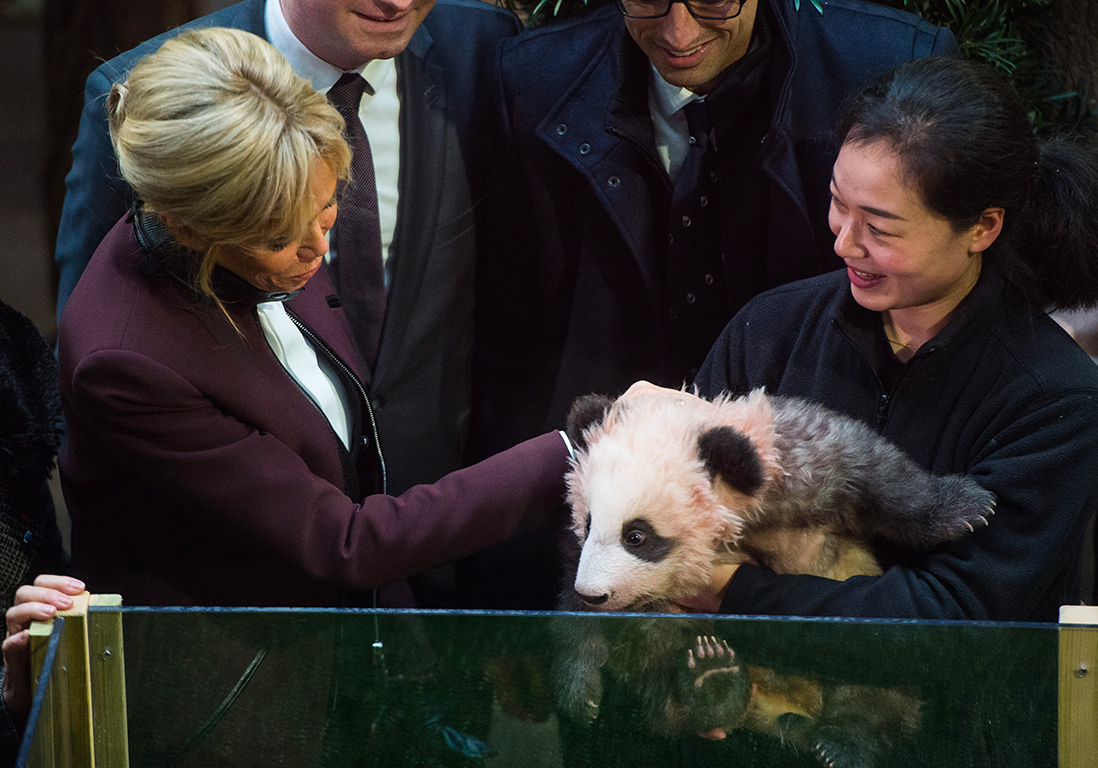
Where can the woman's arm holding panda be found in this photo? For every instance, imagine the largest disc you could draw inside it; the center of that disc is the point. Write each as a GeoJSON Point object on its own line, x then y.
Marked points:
{"type": "Point", "coordinates": [1043, 469]}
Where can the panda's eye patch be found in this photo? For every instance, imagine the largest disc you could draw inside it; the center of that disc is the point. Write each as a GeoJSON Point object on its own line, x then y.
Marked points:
{"type": "Point", "coordinates": [641, 540]}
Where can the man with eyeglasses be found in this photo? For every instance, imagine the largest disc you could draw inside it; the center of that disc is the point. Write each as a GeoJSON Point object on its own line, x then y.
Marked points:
{"type": "Point", "coordinates": [628, 223]}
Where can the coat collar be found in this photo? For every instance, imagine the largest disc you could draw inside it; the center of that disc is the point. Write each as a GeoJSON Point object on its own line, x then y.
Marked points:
{"type": "Point", "coordinates": [164, 255]}
{"type": "Point", "coordinates": [982, 309]}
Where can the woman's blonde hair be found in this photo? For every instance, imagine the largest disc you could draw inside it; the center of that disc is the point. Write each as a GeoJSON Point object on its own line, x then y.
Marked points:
{"type": "Point", "coordinates": [216, 133]}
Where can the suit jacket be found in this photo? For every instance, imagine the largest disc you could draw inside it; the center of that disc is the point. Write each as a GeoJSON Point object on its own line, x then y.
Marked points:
{"type": "Point", "coordinates": [197, 471]}
{"type": "Point", "coordinates": [420, 381]}
{"type": "Point", "coordinates": [570, 294]}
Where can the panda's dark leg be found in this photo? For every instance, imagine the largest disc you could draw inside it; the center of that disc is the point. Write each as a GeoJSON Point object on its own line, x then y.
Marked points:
{"type": "Point", "coordinates": [901, 502]}
{"type": "Point", "coordinates": [851, 475]}
{"type": "Point", "coordinates": [580, 652]}
{"type": "Point", "coordinates": [862, 726]}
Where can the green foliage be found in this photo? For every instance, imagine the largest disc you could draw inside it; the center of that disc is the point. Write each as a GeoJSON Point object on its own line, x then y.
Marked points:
{"type": "Point", "coordinates": [1013, 36]}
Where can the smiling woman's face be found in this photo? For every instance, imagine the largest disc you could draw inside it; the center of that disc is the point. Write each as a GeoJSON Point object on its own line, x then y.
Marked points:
{"type": "Point", "coordinates": [900, 255]}
{"type": "Point", "coordinates": [288, 266]}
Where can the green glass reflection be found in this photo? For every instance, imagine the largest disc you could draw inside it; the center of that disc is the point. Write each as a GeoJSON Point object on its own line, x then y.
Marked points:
{"type": "Point", "coordinates": [329, 688]}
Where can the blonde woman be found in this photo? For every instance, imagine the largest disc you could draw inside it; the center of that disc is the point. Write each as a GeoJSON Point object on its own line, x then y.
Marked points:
{"type": "Point", "coordinates": [221, 448]}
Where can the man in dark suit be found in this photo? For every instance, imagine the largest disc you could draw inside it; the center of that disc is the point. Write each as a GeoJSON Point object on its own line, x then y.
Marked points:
{"type": "Point", "coordinates": [427, 65]}
{"type": "Point", "coordinates": [607, 266]}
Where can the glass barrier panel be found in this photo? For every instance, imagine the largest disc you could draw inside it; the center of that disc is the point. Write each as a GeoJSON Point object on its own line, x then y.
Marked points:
{"type": "Point", "coordinates": [247, 687]}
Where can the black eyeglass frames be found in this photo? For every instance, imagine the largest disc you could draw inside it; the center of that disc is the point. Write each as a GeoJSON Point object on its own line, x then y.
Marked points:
{"type": "Point", "coordinates": [709, 10]}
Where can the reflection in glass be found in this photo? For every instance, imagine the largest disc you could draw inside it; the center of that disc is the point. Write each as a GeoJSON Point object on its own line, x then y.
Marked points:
{"type": "Point", "coordinates": [312, 688]}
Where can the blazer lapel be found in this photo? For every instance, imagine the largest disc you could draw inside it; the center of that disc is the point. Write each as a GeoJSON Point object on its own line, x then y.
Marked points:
{"type": "Point", "coordinates": [423, 157]}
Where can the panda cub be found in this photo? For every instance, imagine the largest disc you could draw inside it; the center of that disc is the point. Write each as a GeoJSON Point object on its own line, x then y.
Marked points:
{"type": "Point", "coordinates": [667, 485]}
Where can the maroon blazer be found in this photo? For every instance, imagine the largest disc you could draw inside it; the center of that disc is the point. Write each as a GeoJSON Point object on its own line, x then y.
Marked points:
{"type": "Point", "coordinates": [196, 471]}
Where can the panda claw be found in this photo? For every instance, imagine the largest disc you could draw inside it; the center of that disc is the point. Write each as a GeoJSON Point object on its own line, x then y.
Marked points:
{"type": "Point", "coordinates": [969, 526]}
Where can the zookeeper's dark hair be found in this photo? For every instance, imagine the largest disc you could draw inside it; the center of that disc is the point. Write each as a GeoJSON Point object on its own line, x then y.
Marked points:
{"type": "Point", "coordinates": [965, 143]}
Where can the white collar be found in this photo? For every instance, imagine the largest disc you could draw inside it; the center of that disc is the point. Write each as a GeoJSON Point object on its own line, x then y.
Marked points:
{"type": "Point", "coordinates": [668, 99]}
{"type": "Point", "coordinates": [307, 64]}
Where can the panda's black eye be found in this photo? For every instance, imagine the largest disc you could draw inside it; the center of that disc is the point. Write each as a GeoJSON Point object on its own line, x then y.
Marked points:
{"type": "Point", "coordinates": [644, 542]}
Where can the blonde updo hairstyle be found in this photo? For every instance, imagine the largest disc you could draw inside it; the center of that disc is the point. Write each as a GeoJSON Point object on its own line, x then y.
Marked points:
{"type": "Point", "coordinates": [217, 135]}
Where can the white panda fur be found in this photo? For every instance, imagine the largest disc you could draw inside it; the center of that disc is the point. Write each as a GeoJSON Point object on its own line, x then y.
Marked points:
{"type": "Point", "coordinates": [777, 481]}
{"type": "Point", "coordinates": [793, 486]}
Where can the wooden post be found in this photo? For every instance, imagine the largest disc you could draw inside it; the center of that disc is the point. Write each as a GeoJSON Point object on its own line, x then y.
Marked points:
{"type": "Point", "coordinates": [83, 718]}
{"type": "Point", "coordinates": [48, 749]}
{"type": "Point", "coordinates": [1078, 686]}
{"type": "Point", "coordinates": [108, 682]}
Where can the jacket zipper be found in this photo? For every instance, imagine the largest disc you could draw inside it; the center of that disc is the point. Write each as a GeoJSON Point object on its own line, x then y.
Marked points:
{"type": "Point", "coordinates": [886, 397]}
{"type": "Point", "coordinates": [378, 645]}
{"type": "Point", "coordinates": [317, 342]}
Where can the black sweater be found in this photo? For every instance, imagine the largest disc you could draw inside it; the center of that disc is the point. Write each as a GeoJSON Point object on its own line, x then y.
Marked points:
{"type": "Point", "coordinates": [1002, 394]}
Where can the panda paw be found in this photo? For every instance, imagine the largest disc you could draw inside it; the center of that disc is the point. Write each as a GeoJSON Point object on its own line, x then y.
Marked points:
{"type": "Point", "coordinates": [963, 507]}
{"type": "Point", "coordinates": [716, 686]}
{"type": "Point", "coordinates": [710, 658]}
{"type": "Point", "coordinates": [835, 747]}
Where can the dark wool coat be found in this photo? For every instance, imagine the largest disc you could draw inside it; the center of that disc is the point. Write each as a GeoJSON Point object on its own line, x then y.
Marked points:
{"type": "Point", "coordinates": [30, 409]}
{"type": "Point", "coordinates": [570, 296]}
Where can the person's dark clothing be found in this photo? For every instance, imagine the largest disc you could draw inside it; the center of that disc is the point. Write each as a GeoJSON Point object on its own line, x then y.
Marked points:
{"type": "Point", "coordinates": [1002, 394]}
{"type": "Point", "coordinates": [573, 293]}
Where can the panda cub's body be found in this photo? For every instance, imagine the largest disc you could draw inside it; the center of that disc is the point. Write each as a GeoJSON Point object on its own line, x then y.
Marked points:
{"type": "Point", "coordinates": [666, 486]}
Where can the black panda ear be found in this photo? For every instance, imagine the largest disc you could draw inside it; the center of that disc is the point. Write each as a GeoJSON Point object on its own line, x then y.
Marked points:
{"type": "Point", "coordinates": [731, 456]}
{"type": "Point", "coordinates": [587, 411]}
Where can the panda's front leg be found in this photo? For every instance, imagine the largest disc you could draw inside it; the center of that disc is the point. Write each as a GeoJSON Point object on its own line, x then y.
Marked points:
{"type": "Point", "coordinates": [582, 651]}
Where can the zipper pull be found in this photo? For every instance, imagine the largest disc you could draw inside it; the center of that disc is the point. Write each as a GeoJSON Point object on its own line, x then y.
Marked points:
{"type": "Point", "coordinates": [882, 408]}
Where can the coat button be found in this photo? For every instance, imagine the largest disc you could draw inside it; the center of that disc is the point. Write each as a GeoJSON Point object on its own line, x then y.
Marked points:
{"type": "Point", "coordinates": [708, 279]}
{"type": "Point", "coordinates": [585, 148]}
{"type": "Point", "coordinates": [562, 129]}
{"type": "Point", "coordinates": [613, 181]}
{"type": "Point", "coordinates": [686, 221]}
{"type": "Point", "coordinates": [690, 298]}
{"type": "Point", "coordinates": [704, 201]}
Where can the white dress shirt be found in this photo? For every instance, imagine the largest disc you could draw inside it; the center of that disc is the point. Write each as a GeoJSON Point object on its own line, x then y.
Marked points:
{"type": "Point", "coordinates": [665, 103]}
{"type": "Point", "coordinates": [312, 372]}
{"type": "Point", "coordinates": [380, 115]}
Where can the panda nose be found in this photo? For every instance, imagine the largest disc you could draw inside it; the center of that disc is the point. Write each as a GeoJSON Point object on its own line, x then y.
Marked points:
{"type": "Point", "coordinates": [593, 599]}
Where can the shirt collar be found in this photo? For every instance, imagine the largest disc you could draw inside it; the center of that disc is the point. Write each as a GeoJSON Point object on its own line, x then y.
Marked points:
{"type": "Point", "coordinates": [307, 64]}
{"type": "Point", "coordinates": [666, 98]}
